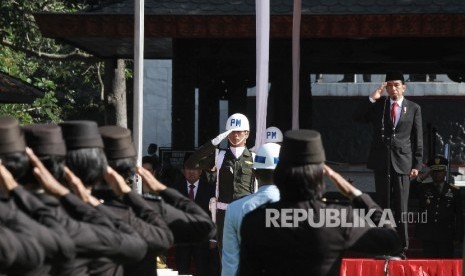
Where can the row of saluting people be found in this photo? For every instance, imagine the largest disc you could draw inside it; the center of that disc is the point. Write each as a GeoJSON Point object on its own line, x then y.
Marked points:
{"type": "Point", "coordinates": [67, 207]}
{"type": "Point", "coordinates": [103, 227]}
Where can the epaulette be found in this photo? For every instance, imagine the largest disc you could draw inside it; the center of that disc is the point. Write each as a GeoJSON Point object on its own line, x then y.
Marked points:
{"type": "Point", "coordinates": [152, 197]}
{"type": "Point", "coordinates": [454, 186]}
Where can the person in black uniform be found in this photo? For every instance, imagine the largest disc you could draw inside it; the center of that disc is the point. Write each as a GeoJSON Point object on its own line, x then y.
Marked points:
{"type": "Point", "coordinates": [18, 250]}
{"type": "Point", "coordinates": [187, 221]}
{"type": "Point", "coordinates": [57, 244]}
{"type": "Point", "coordinates": [442, 204]}
{"type": "Point", "coordinates": [198, 189]}
{"type": "Point", "coordinates": [85, 157]}
{"type": "Point", "coordinates": [270, 247]}
{"type": "Point", "coordinates": [93, 233]}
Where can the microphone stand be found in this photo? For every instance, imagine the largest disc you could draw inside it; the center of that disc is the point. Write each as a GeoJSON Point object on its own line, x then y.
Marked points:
{"type": "Point", "coordinates": [388, 142]}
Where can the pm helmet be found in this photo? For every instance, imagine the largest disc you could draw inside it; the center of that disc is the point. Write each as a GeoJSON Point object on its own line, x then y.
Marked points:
{"type": "Point", "coordinates": [273, 135]}
{"type": "Point", "coordinates": [267, 156]}
{"type": "Point", "coordinates": [237, 122]}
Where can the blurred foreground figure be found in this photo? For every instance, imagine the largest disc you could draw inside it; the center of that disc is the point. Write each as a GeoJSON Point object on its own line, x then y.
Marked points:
{"type": "Point", "coordinates": [293, 236]}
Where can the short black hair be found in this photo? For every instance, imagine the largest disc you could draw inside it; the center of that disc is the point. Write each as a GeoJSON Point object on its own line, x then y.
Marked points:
{"type": "Point", "coordinates": [89, 164]}
{"type": "Point", "coordinates": [126, 167]}
{"type": "Point", "coordinates": [18, 165]}
{"type": "Point", "coordinates": [299, 182]}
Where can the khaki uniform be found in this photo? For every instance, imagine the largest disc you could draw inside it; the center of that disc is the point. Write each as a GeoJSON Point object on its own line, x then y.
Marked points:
{"type": "Point", "coordinates": [236, 177]}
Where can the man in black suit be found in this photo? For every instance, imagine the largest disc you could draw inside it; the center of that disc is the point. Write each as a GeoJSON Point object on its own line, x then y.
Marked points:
{"type": "Point", "coordinates": [293, 236]}
{"type": "Point", "coordinates": [200, 191]}
{"type": "Point", "coordinates": [397, 148]}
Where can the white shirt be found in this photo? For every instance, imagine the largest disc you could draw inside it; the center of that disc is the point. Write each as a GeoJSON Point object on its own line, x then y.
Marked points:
{"type": "Point", "coordinates": [237, 151]}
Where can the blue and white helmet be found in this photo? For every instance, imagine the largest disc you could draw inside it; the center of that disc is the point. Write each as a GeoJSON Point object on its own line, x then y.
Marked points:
{"type": "Point", "coordinates": [273, 135]}
{"type": "Point", "coordinates": [237, 122]}
{"type": "Point", "coordinates": [267, 156]}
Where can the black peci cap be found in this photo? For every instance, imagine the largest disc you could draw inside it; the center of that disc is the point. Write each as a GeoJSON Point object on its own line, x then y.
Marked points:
{"type": "Point", "coordinates": [393, 76]}
{"type": "Point", "coordinates": [11, 136]}
{"type": "Point", "coordinates": [117, 142]}
{"type": "Point", "coordinates": [45, 139]}
{"type": "Point", "coordinates": [303, 146]}
{"type": "Point", "coordinates": [81, 134]}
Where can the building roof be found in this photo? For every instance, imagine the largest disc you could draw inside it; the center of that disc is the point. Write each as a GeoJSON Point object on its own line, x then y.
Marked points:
{"type": "Point", "coordinates": [13, 90]}
{"type": "Point", "coordinates": [281, 7]}
{"type": "Point", "coordinates": [344, 35]}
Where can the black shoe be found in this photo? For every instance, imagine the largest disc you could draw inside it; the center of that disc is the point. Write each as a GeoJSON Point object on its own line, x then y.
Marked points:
{"type": "Point", "coordinates": [402, 255]}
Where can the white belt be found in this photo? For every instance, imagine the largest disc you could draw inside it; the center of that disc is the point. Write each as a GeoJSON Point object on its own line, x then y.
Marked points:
{"type": "Point", "coordinates": [221, 205]}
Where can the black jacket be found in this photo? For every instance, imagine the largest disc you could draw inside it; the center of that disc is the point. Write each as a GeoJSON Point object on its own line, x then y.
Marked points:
{"type": "Point", "coordinates": [310, 250]}
{"type": "Point", "coordinates": [94, 234]}
{"type": "Point", "coordinates": [147, 222]}
{"type": "Point", "coordinates": [20, 240]}
{"type": "Point", "coordinates": [407, 143]}
{"type": "Point", "coordinates": [60, 248]}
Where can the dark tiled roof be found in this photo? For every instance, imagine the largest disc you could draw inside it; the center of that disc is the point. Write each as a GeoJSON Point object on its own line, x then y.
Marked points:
{"type": "Point", "coordinates": [13, 90]}
{"type": "Point", "coordinates": [281, 7]}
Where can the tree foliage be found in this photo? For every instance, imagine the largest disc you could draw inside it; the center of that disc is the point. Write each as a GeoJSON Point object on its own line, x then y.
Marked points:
{"type": "Point", "coordinates": [72, 87]}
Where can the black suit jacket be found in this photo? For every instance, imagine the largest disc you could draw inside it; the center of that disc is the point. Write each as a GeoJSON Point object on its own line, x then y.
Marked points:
{"type": "Point", "coordinates": [189, 222]}
{"type": "Point", "coordinates": [406, 137]}
{"type": "Point", "coordinates": [205, 191]}
{"type": "Point", "coordinates": [307, 250]}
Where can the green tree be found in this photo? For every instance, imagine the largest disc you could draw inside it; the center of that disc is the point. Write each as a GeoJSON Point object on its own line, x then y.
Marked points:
{"type": "Point", "coordinates": [70, 78]}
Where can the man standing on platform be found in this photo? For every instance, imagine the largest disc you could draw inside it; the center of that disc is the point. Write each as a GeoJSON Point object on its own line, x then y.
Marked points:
{"type": "Point", "coordinates": [397, 147]}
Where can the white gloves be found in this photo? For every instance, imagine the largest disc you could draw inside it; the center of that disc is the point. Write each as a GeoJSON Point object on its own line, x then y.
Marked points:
{"type": "Point", "coordinates": [217, 140]}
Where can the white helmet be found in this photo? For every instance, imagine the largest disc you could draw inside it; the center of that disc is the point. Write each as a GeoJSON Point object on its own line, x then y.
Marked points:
{"type": "Point", "coordinates": [267, 156]}
{"type": "Point", "coordinates": [237, 122]}
{"type": "Point", "coordinates": [273, 135]}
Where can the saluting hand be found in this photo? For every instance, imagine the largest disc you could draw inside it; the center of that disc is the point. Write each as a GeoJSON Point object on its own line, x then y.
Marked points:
{"type": "Point", "coordinates": [75, 183]}
{"type": "Point", "coordinates": [341, 183]}
{"type": "Point", "coordinates": [148, 178]}
{"type": "Point", "coordinates": [7, 181]}
{"type": "Point", "coordinates": [45, 178]}
{"type": "Point", "coordinates": [217, 140]}
{"type": "Point", "coordinates": [378, 92]}
{"type": "Point", "coordinates": [116, 182]}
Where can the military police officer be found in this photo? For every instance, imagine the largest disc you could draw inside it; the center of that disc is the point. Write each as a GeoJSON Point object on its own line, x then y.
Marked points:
{"type": "Point", "coordinates": [442, 204]}
{"type": "Point", "coordinates": [235, 177]}
{"type": "Point", "coordinates": [273, 135]}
